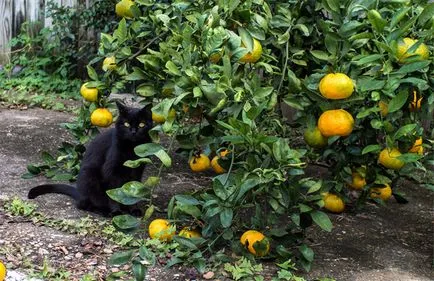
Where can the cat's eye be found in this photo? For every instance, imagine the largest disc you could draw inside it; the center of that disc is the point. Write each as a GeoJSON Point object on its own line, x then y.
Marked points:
{"type": "Point", "coordinates": [142, 125]}
{"type": "Point", "coordinates": [126, 124]}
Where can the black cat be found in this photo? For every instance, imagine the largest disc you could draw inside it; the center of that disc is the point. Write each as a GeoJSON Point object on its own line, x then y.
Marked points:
{"type": "Point", "coordinates": [102, 165]}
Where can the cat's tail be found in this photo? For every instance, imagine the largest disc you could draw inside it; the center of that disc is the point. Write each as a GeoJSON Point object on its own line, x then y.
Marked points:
{"type": "Point", "coordinates": [54, 188]}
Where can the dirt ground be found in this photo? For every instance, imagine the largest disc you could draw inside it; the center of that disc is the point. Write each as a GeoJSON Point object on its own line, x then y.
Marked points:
{"type": "Point", "coordinates": [393, 242]}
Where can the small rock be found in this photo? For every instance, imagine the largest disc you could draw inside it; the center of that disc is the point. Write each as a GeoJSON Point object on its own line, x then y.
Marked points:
{"type": "Point", "coordinates": [107, 251]}
{"type": "Point", "coordinates": [78, 255]}
{"type": "Point", "coordinates": [208, 275]}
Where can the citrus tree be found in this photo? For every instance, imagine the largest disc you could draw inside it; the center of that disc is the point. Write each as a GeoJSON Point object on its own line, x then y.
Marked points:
{"type": "Point", "coordinates": [217, 74]}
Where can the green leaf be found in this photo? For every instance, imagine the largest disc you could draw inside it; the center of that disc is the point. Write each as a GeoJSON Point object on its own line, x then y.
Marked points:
{"type": "Point", "coordinates": [121, 258]}
{"type": "Point", "coordinates": [397, 102]}
{"type": "Point", "coordinates": [187, 200]}
{"type": "Point", "coordinates": [164, 158]}
{"type": "Point", "coordinates": [427, 14]}
{"type": "Point", "coordinates": [137, 163]}
{"type": "Point", "coordinates": [377, 22]}
{"type": "Point", "coordinates": [371, 148]}
{"type": "Point", "coordinates": [185, 242]}
{"type": "Point", "coordinates": [119, 195]}
{"type": "Point", "coordinates": [139, 271]}
{"type": "Point", "coordinates": [410, 157]}
{"type": "Point", "coordinates": [413, 66]}
{"type": "Point", "coordinates": [307, 252]}
{"type": "Point", "coordinates": [121, 32]}
{"type": "Point", "coordinates": [321, 55]}
{"type": "Point", "coordinates": [405, 130]}
{"type": "Point", "coordinates": [92, 73]}
{"type": "Point", "coordinates": [315, 187]}
{"type": "Point", "coordinates": [369, 84]}
{"type": "Point", "coordinates": [322, 220]}
{"type": "Point", "coordinates": [172, 68]}
{"type": "Point", "coordinates": [367, 59]}
{"type": "Point", "coordinates": [135, 189]}
{"type": "Point", "coordinates": [126, 222]}
{"type": "Point", "coordinates": [334, 5]}
{"type": "Point", "coordinates": [246, 38]}
{"type": "Point", "coordinates": [226, 217]}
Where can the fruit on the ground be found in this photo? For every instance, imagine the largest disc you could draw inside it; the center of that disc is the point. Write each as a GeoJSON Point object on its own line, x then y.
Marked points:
{"type": "Point", "coordinates": [384, 108]}
{"type": "Point", "coordinates": [215, 164]}
{"type": "Point", "coordinates": [254, 55]}
{"type": "Point", "coordinates": [2, 271]}
{"type": "Point", "coordinates": [159, 118]}
{"type": "Point", "coordinates": [101, 117]}
{"type": "Point", "coordinates": [161, 229]}
{"type": "Point", "coordinates": [336, 86]}
{"type": "Point", "coordinates": [109, 63]}
{"type": "Point", "coordinates": [314, 138]}
{"type": "Point", "coordinates": [199, 163]}
{"type": "Point", "coordinates": [123, 8]}
{"type": "Point", "coordinates": [250, 237]}
{"type": "Point", "coordinates": [417, 147]}
{"type": "Point", "coordinates": [404, 46]}
{"type": "Point", "coordinates": [189, 233]}
{"type": "Point", "coordinates": [358, 182]}
{"type": "Point", "coordinates": [389, 158]}
{"type": "Point", "coordinates": [333, 203]}
{"type": "Point", "coordinates": [89, 94]}
{"type": "Point", "coordinates": [335, 122]}
{"type": "Point", "coordinates": [384, 193]}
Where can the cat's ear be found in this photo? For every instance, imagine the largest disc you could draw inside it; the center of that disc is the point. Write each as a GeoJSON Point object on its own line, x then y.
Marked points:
{"type": "Point", "coordinates": [147, 109]}
{"type": "Point", "coordinates": [122, 108]}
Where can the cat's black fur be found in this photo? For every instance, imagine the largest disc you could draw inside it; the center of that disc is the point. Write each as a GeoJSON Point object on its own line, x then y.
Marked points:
{"type": "Point", "coordinates": [102, 165]}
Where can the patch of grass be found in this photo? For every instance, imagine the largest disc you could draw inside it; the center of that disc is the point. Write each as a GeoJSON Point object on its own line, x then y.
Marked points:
{"type": "Point", "coordinates": [85, 226]}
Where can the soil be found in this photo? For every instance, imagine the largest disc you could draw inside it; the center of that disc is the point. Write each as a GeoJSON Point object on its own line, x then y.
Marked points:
{"type": "Point", "coordinates": [391, 242]}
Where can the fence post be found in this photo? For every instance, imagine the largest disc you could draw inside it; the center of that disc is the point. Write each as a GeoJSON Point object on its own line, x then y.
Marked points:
{"type": "Point", "coordinates": [5, 29]}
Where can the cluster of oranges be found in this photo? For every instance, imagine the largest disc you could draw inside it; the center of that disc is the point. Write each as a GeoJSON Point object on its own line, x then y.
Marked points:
{"type": "Point", "coordinates": [100, 117]}
{"type": "Point", "coordinates": [254, 241]}
{"type": "Point", "coordinates": [200, 162]}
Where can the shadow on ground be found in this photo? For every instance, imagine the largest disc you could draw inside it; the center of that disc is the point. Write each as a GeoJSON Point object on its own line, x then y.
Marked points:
{"type": "Point", "coordinates": [393, 242]}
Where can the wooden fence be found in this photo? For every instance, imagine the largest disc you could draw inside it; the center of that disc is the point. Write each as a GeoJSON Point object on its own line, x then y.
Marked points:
{"type": "Point", "coordinates": [14, 12]}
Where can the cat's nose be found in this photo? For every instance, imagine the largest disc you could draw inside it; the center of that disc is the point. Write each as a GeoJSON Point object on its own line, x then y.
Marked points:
{"type": "Point", "coordinates": [133, 131]}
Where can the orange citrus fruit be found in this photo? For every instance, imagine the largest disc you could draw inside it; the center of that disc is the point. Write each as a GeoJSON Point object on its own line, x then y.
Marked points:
{"type": "Point", "coordinates": [314, 138]}
{"type": "Point", "coordinates": [216, 166]}
{"type": "Point", "coordinates": [216, 56]}
{"type": "Point", "coordinates": [89, 94]}
{"type": "Point", "coordinates": [405, 44]}
{"type": "Point", "coordinates": [254, 55]}
{"type": "Point", "coordinates": [109, 63]}
{"type": "Point", "coordinates": [384, 108]}
{"type": "Point", "coordinates": [2, 271]}
{"type": "Point", "coordinates": [333, 203]}
{"type": "Point", "coordinates": [358, 182]}
{"type": "Point", "coordinates": [250, 237]}
{"type": "Point", "coordinates": [188, 233]}
{"type": "Point", "coordinates": [417, 147]}
{"type": "Point", "coordinates": [159, 118]}
{"type": "Point", "coordinates": [389, 158]}
{"type": "Point", "coordinates": [335, 122]}
{"type": "Point", "coordinates": [336, 86]}
{"type": "Point", "coordinates": [123, 8]}
{"type": "Point", "coordinates": [101, 117]}
{"type": "Point", "coordinates": [161, 229]}
{"type": "Point", "coordinates": [199, 163]}
{"type": "Point", "coordinates": [384, 193]}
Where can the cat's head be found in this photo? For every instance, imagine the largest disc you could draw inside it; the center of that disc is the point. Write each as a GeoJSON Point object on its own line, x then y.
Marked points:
{"type": "Point", "coordinates": [133, 124]}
